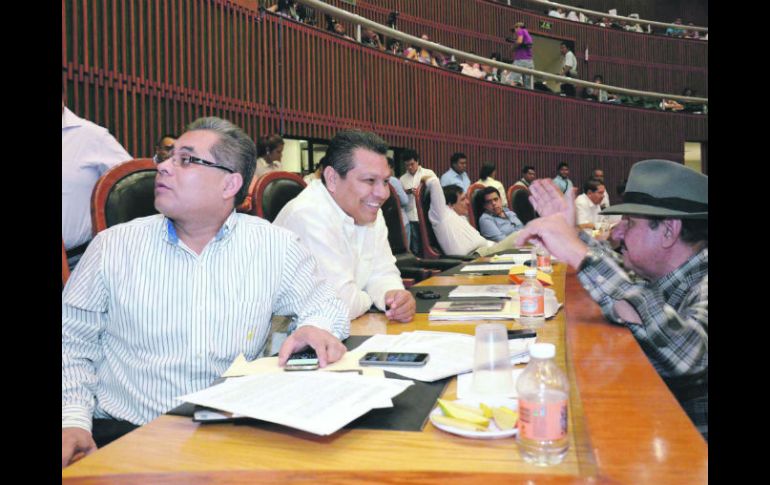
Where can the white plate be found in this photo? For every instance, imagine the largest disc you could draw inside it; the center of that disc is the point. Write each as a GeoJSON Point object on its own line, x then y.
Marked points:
{"type": "Point", "coordinates": [493, 433]}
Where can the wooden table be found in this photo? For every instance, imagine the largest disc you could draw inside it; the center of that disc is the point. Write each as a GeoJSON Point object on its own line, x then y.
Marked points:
{"type": "Point", "coordinates": [626, 427]}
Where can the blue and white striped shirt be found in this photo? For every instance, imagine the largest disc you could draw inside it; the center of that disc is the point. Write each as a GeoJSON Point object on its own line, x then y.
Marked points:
{"type": "Point", "coordinates": [145, 319]}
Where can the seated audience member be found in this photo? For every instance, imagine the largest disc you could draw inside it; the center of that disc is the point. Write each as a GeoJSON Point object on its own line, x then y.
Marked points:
{"type": "Point", "coordinates": [372, 39]}
{"type": "Point", "coordinates": [598, 174]}
{"type": "Point", "coordinates": [562, 178]}
{"type": "Point", "coordinates": [527, 176]}
{"type": "Point", "coordinates": [589, 204]}
{"type": "Point", "coordinates": [410, 180]}
{"type": "Point", "coordinates": [403, 198]}
{"type": "Point", "coordinates": [660, 288]}
{"type": "Point", "coordinates": [676, 31]}
{"type": "Point", "coordinates": [87, 151]}
{"type": "Point", "coordinates": [497, 222]}
{"type": "Point", "coordinates": [203, 286]}
{"type": "Point", "coordinates": [599, 94]}
{"type": "Point", "coordinates": [164, 147]}
{"type": "Point", "coordinates": [448, 217]}
{"type": "Point", "coordinates": [269, 153]}
{"type": "Point", "coordinates": [339, 219]}
{"type": "Point", "coordinates": [472, 69]}
{"type": "Point", "coordinates": [487, 178]}
{"type": "Point", "coordinates": [456, 175]}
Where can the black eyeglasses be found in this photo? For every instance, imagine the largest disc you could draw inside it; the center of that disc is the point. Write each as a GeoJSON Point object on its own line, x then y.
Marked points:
{"type": "Point", "coordinates": [185, 160]}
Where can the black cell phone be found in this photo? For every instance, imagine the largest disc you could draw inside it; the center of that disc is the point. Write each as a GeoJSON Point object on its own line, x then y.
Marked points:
{"type": "Point", "coordinates": [402, 359]}
{"type": "Point", "coordinates": [428, 295]}
{"type": "Point", "coordinates": [521, 333]}
{"type": "Point", "coordinates": [305, 359]}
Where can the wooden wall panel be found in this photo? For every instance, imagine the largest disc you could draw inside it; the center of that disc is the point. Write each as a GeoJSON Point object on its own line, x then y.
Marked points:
{"type": "Point", "coordinates": [144, 69]}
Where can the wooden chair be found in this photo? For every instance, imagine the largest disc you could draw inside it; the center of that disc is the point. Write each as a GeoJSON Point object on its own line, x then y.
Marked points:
{"type": "Point", "coordinates": [65, 268]}
{"type": "Point", "coordinates": [511, 190]}
{"type": "Point", "coordinates": [245, 206]}
{"type": "Point", "coordinates": [476, 204]}
{"type": "Point", "coordinates": [122, 193]}
{"type": "Point", "coordinates": [272, 191]}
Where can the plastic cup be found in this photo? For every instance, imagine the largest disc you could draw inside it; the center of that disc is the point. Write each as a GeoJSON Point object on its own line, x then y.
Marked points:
{"type": "Point", "coordinates": [492, 374]}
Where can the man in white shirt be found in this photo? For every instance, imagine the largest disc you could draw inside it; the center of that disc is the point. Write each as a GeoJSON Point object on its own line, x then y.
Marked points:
{"type": "Point", "coordinates": [410, 180]}
{"type": "Point", "coordinates": [568, 61]}
{"type": "Point", "coordinates": [87, 151]}
{"type": "Point", "coordinates": [160, 306]}
{"type": "Point", "coordinates": [598, 174]}
{"type": "Point", "coordinates": [448, 216]}
{"type": "Point", "coordinates": [339, 219]}
{"type": "Point", "coordinates": [589, 204]}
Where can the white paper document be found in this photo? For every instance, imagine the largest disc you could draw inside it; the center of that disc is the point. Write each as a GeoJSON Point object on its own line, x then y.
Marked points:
{"type": "Point", "coordinates": [317, 402]}
{"type": "Point", "coordinates": [511, 258]}
{"type": "Point", "coordinates": [450, 353]}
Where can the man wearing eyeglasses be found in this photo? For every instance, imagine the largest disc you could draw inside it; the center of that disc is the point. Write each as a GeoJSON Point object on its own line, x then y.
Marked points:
{"type": "Point", "coordinates": [160, 306]}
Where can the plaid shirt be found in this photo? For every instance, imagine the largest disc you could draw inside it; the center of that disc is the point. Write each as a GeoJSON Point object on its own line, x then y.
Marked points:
{"type": "Point", "coordinates": [674, 314]}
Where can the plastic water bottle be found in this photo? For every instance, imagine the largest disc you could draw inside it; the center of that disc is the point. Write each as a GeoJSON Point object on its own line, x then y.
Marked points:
{"type": "Point", "coordinates": [531, 300]}
{"type": "Point", "coordinates": [543, 394]}
{"type": "Point", "coordinates": [543, 259]}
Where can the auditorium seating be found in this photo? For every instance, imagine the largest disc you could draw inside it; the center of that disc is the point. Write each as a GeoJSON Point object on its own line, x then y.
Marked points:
{"type": "Point", "coordinates": [122, 193]}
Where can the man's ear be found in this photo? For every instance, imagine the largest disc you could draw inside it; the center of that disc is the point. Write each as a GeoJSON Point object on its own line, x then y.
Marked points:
{"type": "Point", "coordinates": [233, 183]}
{"type": "Point", "coordinates": [671, 230]}
{"type": "Point", "coordinates": [331, 177]}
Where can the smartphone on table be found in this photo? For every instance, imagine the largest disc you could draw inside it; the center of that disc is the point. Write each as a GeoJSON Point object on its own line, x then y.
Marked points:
{"type": "Point", "coordinates": [305, 359]}
{"type": "Point", "coordinates": [400, 359]}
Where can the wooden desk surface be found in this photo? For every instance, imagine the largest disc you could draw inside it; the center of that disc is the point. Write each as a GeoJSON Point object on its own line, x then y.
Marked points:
{"type": "Point", "coordinates": [626, 427]}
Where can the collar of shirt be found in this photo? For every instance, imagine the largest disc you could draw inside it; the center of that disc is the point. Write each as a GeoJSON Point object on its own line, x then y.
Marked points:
{"type": "Point", "coordinates": [70, 119]}
{"type": "Point", "coordinates": [171, 235]}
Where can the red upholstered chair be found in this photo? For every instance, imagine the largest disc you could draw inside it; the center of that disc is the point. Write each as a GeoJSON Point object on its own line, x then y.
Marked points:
{"type": "Point", "coordinates": [518, 201]}
{"type": "Point", "coordinates": [122, 193]}
{"type": "Point", "coordinates": [245, 206]}
{"type": "Point", "coordinates": [511, 190]}
{"type": "Point", "coordinates": [272, 191]}
{"type": "Point", "coordinates": [476, 205]}
{"type": "Point", "coordinates": [65, 268]}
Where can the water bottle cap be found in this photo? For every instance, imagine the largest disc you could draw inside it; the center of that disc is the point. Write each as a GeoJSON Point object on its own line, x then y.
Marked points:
{"type": "Point", "coordinates": [530, 272]}
{"type": "Point", "coordinates": [542, 351]}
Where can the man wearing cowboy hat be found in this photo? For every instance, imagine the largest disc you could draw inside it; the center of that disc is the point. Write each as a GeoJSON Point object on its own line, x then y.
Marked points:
{"type": "Point", "coordinates": [659, 288]}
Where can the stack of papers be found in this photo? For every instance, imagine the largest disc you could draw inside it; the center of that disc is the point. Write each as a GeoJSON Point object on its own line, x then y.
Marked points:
{"type": "Point", "coordinates": [450, 353]}
{"type": "Point", "coordinates": [294, 399]}
{"type": "Point", "coordinates": [483, 291]}
{"type": "Point", "coordinates": [510, 310]}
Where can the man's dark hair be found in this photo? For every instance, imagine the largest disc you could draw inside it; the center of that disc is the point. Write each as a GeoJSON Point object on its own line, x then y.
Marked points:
{"type": "Point", "coordinates": [268, 143]}
{"type": "Point", "coordinates": [452, 193]}
{"type": "Point", "coordinates": [167, 135]}
{"type": "Point", "coordinates": [234, 150]}
{"type": "Point", "coordinates": [487, 169]}
{"type": "Point", "coordinates": [694, 231]}
{"type": "Point", "coordinates": [526, 169]}
{"type": "Point", "coordinates": [488, 190]}
{"type": "Point", "coordinates": [562, 164]}
{"type": "Point", "coordinates": [598, 77]}
{"type": "Point", "coordinates": [565, 45]}
{"type": "Point", "coordinates": [592, 185]}
{"type": "Point", "coordinates": [409, 154]}
{"type": "Point", "coordinates": [339, 154]}
{"type": "Point", "coordinates": [455, 157]}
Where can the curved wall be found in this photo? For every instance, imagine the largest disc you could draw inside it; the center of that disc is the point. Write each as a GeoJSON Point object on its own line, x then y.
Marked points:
{"type": "Point", "coordinates": [135, 71]}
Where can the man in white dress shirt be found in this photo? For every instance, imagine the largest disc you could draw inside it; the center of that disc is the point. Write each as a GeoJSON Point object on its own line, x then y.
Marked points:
{"type": "Point", "coordinates": [588, 205]}
{"type": "Point", "coordinates": [160, 306]}
{"type": "Point", "coordinates": [87, 151]}
{"type": "Point", "coordinates": [411, 180]}
{"type": "Point", "coordinates": [339, 219]}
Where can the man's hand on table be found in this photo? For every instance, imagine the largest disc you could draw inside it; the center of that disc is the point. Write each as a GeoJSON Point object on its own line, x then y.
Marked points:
{"type": "Point", "coordinates": [400, 305]}
{"type": "Point", "coordinates": [328, 347]}
{"type": "Point", "coordinates": [75, 444]}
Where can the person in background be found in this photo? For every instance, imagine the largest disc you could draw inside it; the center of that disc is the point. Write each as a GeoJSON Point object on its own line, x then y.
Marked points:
{"type": "Point", "coordinates": [269, 154]}
{"type": "Point", "coordinates": [658, 286]}
{"type": "Point", "coordinates": [527, 176]}
{"type": "Point", "coordinates": [522, 54]}
{"type": "Point", "coordinates": [164, 147]}
{"type": "Point", "coordinates": [676, 31]}
{"type": "Point", "coordinates": [339, 219]}
{"type": "Point", "coordinates": [487, 179]}
{"type": "Point", "coordinates": [456, 174]}
{"type": "Point", "coordinates": [203, 285]}
{"type": "Point", "coordinates": [316, 175]}
{"type": "Point", "coordinates": [589, 204]}
{"type": "Point", "coordinates": [562, 179]}
{"type": "Point", "coordinates": [598, 174]}
{"type": "Point", "coordinates": [87, 150]}
{"type": "Point", "coordinates": [410, 181]}
{"type": "Point", "coordinates": [568, 68]}
{"type": "Point", "coordinates": [497, 222]}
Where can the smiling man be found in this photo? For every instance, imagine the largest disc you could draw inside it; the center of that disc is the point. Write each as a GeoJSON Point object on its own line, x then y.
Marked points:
{"type": "Point", "coordinates": [339, 219]}
{"type": "Point", "coordinates": [160, 306]}
{"type": "Point", "coordinates": [659, 289]}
